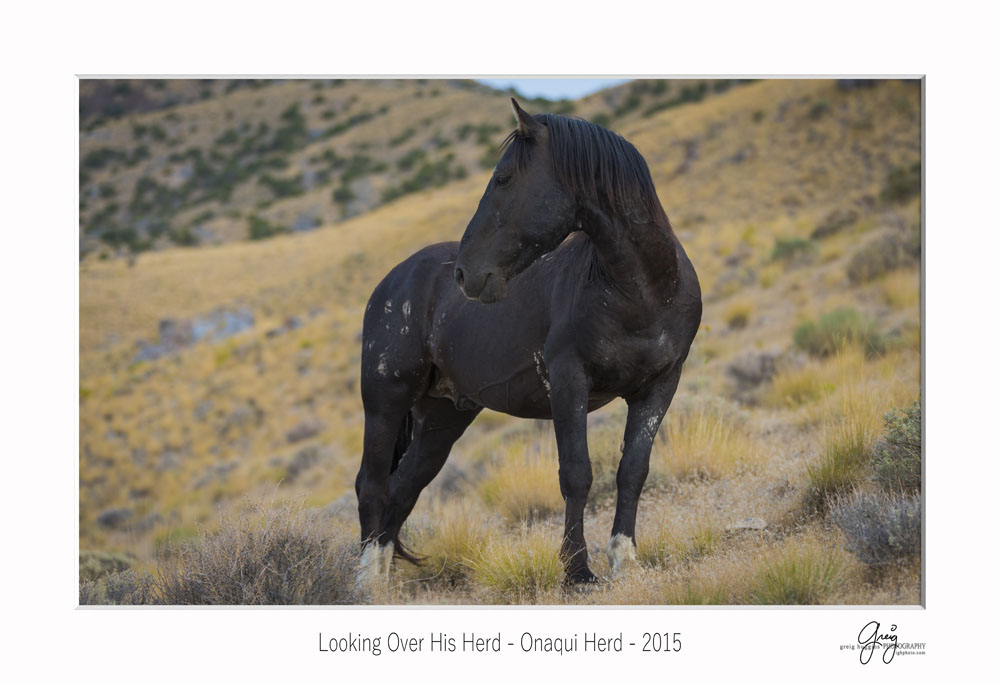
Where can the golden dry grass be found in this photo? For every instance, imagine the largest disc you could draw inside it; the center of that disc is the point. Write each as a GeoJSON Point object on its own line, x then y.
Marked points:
{"type": "Point", "coordinates": [709, 438]}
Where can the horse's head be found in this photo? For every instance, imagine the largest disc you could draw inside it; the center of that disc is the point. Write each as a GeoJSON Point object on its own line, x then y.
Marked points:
{"type": "Point", "coordinates": [524, 213]}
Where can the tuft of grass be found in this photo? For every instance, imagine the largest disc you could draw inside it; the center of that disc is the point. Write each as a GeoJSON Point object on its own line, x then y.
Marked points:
{"type": "Point", "coordinates": [520, 567]}
{"type": "Point", "coordinates": [846, 449]}
{"type": "Point", "coordinates": [524, 486]}
{"type": "Point", "coordinates": [896, 457]}
{"type": "Point", "coordinates": [797, 386]}
{"type": "Point", "coordinates": [800, 573]}
{"type": "Point", "coordinates": [286, 555]}
{"type": "Point", "coordinates": [881, 528]}
{"type": "Point", "coordinates": [665, 547]}
{"type": "Point", "coordinates": [707, 439]}
{"type": "Point", "coordinates": [838, 330]}
{"type": "Point", "coordinates": [901, 289]}
{"type": "Point", "coordinates": [738, 314]}
{"type": "Point", "coordinates": [452, 535]}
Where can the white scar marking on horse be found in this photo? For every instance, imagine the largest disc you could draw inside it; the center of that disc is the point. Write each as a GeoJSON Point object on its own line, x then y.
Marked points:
{"type": "Point", "coordinates": [540, 369]}
{"type": "Point", "coordinates": [406, 309]}
{"type": "Point", "coordinates": [382, 368]}
{"type": "Point", "coordinates": [620, 552]}
{"type": "Point", "coordinates": [388, 306]}
{"type": "Point", "coordinates": [651, 424]}
{"type": "Point", "coordinates": [404, 330]}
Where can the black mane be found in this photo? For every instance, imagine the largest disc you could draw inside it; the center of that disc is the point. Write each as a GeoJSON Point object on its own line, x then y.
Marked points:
{"type": "Point", "coordinates": [593, 162]}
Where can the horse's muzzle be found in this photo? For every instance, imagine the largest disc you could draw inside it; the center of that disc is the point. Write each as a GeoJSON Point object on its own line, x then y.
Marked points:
{"type": "Point", "coordinates": [487, 289]}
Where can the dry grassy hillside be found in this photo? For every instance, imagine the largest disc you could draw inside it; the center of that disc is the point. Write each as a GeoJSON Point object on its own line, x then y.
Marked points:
{"type": "Point", "coordinates": [191, 162]}
{"type": "Point", "coordinates": [228, 373]}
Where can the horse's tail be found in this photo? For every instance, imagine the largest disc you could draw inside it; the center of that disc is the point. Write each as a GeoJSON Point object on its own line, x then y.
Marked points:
{"type": "Point", "coordinates": [403, 440]}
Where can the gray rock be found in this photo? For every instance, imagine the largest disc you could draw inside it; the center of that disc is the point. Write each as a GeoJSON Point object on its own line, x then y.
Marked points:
{"type": "Point", "coordinates": [752, 369]}
{"type": "Point", "coordinates": [748, 524]}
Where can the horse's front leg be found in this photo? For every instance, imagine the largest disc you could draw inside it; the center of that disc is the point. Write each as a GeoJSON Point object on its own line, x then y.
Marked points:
{"type": "Point", "coordinates": [569, 394]}
{"type": "Point", "coordinates": [644, 416]}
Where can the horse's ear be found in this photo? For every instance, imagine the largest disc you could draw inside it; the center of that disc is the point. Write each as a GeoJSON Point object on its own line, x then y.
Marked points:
{"type": "Point", "coordinates": [527, 125]}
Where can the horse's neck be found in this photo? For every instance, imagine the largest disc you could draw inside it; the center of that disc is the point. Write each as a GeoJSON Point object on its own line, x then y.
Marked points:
{"type": "Point", "coordinates": [638, 259]}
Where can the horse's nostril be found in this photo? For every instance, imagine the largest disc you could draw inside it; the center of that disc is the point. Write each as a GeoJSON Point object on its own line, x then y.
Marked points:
{"type": "Point", "coordinates": [459, 276]}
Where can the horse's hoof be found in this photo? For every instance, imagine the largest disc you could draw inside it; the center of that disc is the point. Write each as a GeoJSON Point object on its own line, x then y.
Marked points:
{"type": "Point", "coordinates": [582, 576]}
{"type": "Point", "coordinates": [376, 562]}
{"type": "Point", "coordinates": [621, 553]}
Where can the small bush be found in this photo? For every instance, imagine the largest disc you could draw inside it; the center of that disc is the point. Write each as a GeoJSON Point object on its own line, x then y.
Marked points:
{"type": "Point", "coordinates": [838, 330]}
{"type": "Point", "coordinates": [738, 314]}
{"type": "Point", "coordinates": [261, 228]}
{"type": "Point", "coordinates": [834, 222]}
{"type": "Point", "coordinates": [902, 183]}
{"type": "Point", "coordinates": [793, 250]}
{"type": "Point", "coordinates": [898, 249]}
{"type": "Point", "coordinates": [880, 528]}
{"type": "Point", "coordinates": [519, 568]}
{"type": "Point", "coordinates": [819, 109]}
{"type": "Point", "coordinates": [282, 556]}
{"type": "Point", "coordinates": [96, 564]}
{"type": "Point", "coordinates": [896, 457]}
{"type": "Point", "coordinates": [125, 588]}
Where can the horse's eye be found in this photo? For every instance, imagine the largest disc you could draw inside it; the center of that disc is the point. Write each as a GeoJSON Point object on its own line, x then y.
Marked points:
{"type": "Point", "coordinates": [502, 180]}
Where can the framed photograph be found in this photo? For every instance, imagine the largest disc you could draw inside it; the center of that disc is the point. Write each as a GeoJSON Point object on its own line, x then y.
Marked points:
{"type": "Point", "coordinates": [483, 342]}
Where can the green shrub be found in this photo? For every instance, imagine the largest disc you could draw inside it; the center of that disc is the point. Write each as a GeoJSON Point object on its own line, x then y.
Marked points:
{"type": "Point", "coordinates": [902, 183]}
{"type": "Point", "coordinates": [343, 195]}
{"type": "Point", "coordinates": [96, 564]}
{"type": "Point", "coordinates": [819, 109]}
{"type": "Point", "coordinates": [897, 456]}
{"type": "Point", "coordinates": [261, 228]}
{"type": "Point", "coordinates": [837, 330]}
{"type": "Point", "coordinates": [793, 250]}
{"type": "Point", "coordinates": [125, 588]}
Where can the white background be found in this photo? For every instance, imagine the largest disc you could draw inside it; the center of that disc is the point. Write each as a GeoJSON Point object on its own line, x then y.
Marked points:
{"type": "Point", "coordinates": [44, 46]}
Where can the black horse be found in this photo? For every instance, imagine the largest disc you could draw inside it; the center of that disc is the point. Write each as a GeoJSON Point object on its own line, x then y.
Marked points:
{"type": "Point", "coordinates": [568, 289]}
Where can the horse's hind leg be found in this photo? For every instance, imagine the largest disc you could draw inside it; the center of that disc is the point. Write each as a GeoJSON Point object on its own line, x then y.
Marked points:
{"type": "Point", "coordinates": [387, 400]}
{"type": "Point", "coordinates": [437, 425]}
{"type": "Point", "coordinates": [644, 417]}
{"type": "Point", "coordinates": [382, 426]}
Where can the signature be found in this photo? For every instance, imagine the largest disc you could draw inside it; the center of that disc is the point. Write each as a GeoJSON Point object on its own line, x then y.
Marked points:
{"type": "Point", "coordinates": [870, 639]}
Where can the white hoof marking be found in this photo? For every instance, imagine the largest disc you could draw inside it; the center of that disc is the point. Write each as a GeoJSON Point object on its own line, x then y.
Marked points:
{"type": "Point", "coordinates": [375, 564]}
{"type": "Point", "coordinates": [621, 552]}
